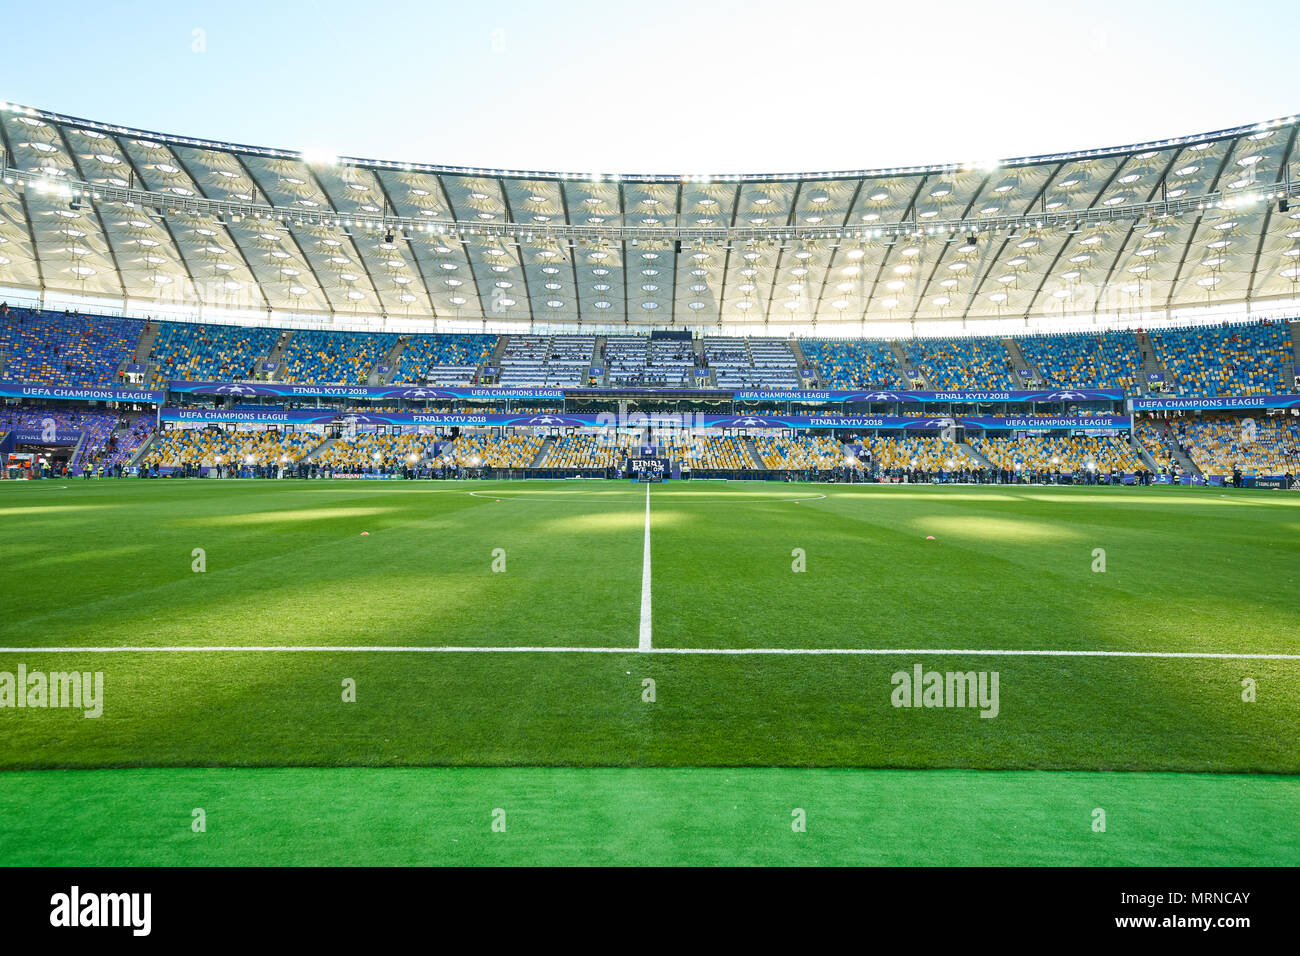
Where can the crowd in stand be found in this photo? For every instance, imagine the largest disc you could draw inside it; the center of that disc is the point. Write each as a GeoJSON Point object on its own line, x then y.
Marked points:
{"type": "Point", "coordinates": [73, 349]}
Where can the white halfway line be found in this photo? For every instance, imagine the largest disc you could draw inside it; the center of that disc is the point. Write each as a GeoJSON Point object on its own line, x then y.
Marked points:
{"type": "Point", "coordinates": [777, 651]}
{"type": "Point", "coordinates": [643, 643]}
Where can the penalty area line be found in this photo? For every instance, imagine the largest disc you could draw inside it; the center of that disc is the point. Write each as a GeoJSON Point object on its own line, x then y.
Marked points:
{"type": "Point", "coordinates": [707, 651]}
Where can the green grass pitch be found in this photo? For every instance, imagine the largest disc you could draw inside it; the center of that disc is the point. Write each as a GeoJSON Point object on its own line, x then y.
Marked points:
{"type": "Point", "coordinates": [1208, 777]}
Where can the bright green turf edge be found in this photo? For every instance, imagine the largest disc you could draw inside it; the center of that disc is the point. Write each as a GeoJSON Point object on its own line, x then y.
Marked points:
{"type": "Point", "coordinates": [422, 816]}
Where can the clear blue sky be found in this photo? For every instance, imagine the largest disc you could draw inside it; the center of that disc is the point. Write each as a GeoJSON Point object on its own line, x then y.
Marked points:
{"type": "Point", "coordinates": [670, 86]}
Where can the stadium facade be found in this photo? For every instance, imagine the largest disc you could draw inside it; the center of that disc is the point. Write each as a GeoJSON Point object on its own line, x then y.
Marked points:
{"type": "Point", "coordinates": [117, 220]}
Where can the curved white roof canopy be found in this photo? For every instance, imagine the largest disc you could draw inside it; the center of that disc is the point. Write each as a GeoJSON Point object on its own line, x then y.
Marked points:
{"type": "Point", "coordinates": [93, 209]}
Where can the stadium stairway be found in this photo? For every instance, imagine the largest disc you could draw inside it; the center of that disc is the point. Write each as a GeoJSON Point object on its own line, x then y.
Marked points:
{"type": "Point", "coordinates": [802, 361]}
{"type": "Point", "coordinates": [74, 461]}
{"type": "Point", "coordinates": [598, 360]}
{"type": "Point", "coordinates": [1149, 364]}
{"type": "Point", "coordinates": [144, 344]}
{"type": "Point", "coordinates": [1295, 349]}
{"type": "Point", "coordinates": [967, 449]}
{"type": "Point", "coordinates": [318, 449]}
{"type": "Point", "coordinates": [753, 455]}
{"type": "Point", "coordinates": [1143, 455]}
{"type": "Point", "coordinates": [144, 448]}
{"type": "Point", "coordinates": [1184, 461]}
{"type": "Point", "coordinates": [391, 360]}
{"type": "Point", "coordinates": [143, 349]}
{"type": "Point", "coordinates": [913, 379]}
{"type": "Point", "coordinates": [494, 360]}
{"type": "Point", "coordinates": [540, 459]}
{"type": "Point", "coordinates": [1018, 360]}
{"type": "Point", "coordinates": [277, 351]}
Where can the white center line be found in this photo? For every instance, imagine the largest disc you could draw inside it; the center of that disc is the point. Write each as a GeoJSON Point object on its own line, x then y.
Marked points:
{"type": "Point", "coordinates": [643, 644]}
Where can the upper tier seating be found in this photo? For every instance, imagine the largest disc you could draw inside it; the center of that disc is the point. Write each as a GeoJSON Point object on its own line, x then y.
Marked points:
{"type": "Point", "coordinates": [443, 359]}
{"type": "Point", "coordinates": [1242, 359]}
{"type": "Point", "coordinates": [971, 363]}
{"type": "Point", "coordinates": [751, 363]}
{"type": "Point", "coordinates": [66, 348]}
{"type": "Point", "coordinates": [541, 361]}
{"type": "Point", "coordinates": [72, 349]}
{"type": "Point", "coordinates": [314, 357]}
{"type": "Point", "coordinates": [848, 365]}
{"type": "Point", "coordinates": [208, 353]}
{"type": "Point", "coordinates": [1085, 360]}
{"type": "Point", "coordinates": [640, 360]}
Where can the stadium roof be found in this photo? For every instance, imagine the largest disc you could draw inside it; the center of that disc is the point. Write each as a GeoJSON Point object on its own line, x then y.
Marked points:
{"type": "Point", "coordinates": [98, 210]}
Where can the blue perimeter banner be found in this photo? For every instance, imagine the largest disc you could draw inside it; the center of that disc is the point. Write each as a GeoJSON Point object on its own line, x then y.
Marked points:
{"type": "Point", "coordinates": [33, 436]}
{"type": "Point", "coordinates": [1227, 402]}
{"type": "Point", "coordinates": [325, 416]}
{"type": "Point", "coordinates": [79, 393]}
{"type": "Point", "coordinates": [1042, 395]}
{"type": "Point", "coordinates": [435, 393]}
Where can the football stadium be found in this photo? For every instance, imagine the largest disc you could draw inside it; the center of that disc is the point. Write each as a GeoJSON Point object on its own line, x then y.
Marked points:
{"type": "Point", "coordinates": [362, 511]}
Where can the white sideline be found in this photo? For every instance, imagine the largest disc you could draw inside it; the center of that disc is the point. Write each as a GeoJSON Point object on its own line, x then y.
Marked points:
{"type": "Point", "coordinates": [777, 651]}
{"type": "Point", "coordinates": [643, 642]}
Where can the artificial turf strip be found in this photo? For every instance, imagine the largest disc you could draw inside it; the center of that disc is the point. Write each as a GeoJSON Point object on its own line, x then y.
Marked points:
{"type": "Point", "coordinates": [109, 563]}
{"type": "Point", "coordinates": [424, 816]}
